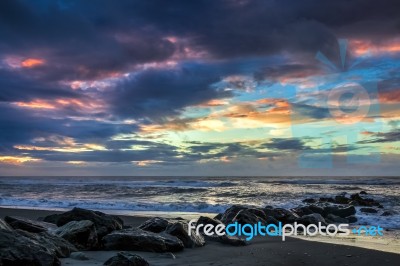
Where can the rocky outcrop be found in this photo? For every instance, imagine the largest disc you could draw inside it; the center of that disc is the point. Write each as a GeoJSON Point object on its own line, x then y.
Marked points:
{"type": "Point", "coordinates": [4, 225]}
{"type": "Point", "coordinates": [18, 250]}
{"type": "Point", "coordinates": [389, 213]}
{"type": "Point", "coordinates": [104, 223]}
{"type": "Point", "coordinates": [341, 212]}
{"type": "Point", "coordinates": [155, 225]}
{"type": "Point", "coordinates": [207, 220]}
{"type": "Point", "coordinates": [57, 245]}
{"type": "Point", "coordinates": [331, 218]}
{"type": "Point", "coordinates": [231, 212]}
{"type": "Point", "coordinates": [314, 218]}
{"type": "Point", "coordinates": [28, 224]}
{"type": "Point", "coordinates": [247, 217]}
{"type": "Point", "coordinates": [80, 233]}
{"type": "Point", "coordinates": [368, 210]}
{"type": "Point", "coordinates": [282, 215]}
{"type": "Point", "coordinates": [140, 240]}
{"type": "Point", "coordinates": [126, 259]}
{"type": "Point", "coordinates": [180, 229]}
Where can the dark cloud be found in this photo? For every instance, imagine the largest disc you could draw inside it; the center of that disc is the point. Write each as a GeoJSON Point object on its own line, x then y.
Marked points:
{"type": "Point", "coordinates": [16, 87]}
{"type": "Point", "coordinates": [21, 127]}
{"type": "Point", "coordinates": [286, 144]}
{"type": "Point", "coordinates": [383, 137]}
{"type": "Point", "coordinates": [158, 93]}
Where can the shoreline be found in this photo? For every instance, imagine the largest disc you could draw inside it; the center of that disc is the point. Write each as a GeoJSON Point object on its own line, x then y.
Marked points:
{"type": "Point", "coordinates": [389, 244]}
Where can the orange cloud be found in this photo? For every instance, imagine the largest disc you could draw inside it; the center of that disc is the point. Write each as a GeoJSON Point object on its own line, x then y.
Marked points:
{"type": "Point", "coordinates": [278, 111]}
{"type": "Point", "coordinates": [90, 106]}
{"type": "Point", "coordinates": [15, 160]}
{"type": "Point", "coordinates": [214, 102]}
{"type": "Point", "coordinates": [390, 96]}
{"type": "Point", "coordinates": [365, 47]}
{"type": "Point", "coordinates": [36, 104]}
{"type": "Point", "coordinates": [32, 62]}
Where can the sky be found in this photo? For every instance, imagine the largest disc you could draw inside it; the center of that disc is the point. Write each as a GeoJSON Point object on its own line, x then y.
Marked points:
{"type": "Point", "coordinates": [200, 88]}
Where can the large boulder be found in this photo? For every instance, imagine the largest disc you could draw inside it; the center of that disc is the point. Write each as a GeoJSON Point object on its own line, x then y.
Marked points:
{"type": "Point", "coordinates": [57, 245]}
{"type": "Point", "coordinates": [18, 250]}
{"type": "Point", "coordinates": [247, 217]}
{"type": "Point", "coordinates": [281, 214]}
{"type": "Point", "coordinates": [104, 223]}
{"type": "Point", "coordinates": [207, 220]}
{"type": "Point", "coordinates": [389, 213]}
{"type": "Point", "coordinates": [368, 210]}
{"type": "Point", "coordinates": [80, 233]}
{"type": "Point", "coordinates": [4, 225]}
{"type": "Point", "coordinates": [301, 211]}
{"type": "Point", "coordinates": [180, 229]}
{"type": "Point", "coordinates": [331, 218]}
{"type": "Point", "coordinates": [341, 212]}
{"type": "Point", "coordinates": [357, 200]}
{"type": "Point", "coordinates": [126, 259]}
{"type": "Point", "coordinates": [28, 224]}
{"type": "Point", "coordinates": [231, 212]}
{"type": "Point", "coordinates": [314, 218]}
{"type": "Point", "coordinates": [155, 225]}
{"type": "Point", "coordinates": [140, 240]}
{"type": "Point", "coordinates": [316, 209]}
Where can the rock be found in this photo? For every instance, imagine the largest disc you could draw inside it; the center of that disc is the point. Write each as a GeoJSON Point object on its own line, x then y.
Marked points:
{"type": "Point", "coordinates": [341, 199]}
{"type": "Point", "coordinates": [18, 250]}
{"type": "Point", "coordinates": [126, 259]}
{"type": "Point", "coordinates": [368, 210]}
{"type": "Point", "coordinates": [104, 223]}
{"type": "Point", "coordinates": [59, 246]}
{"type": "Point", "coordinates": [310, 200]}
{"type": "Point", "coordinates": [336, 219]}
{"type": "Point", "coordinates": [181, 231]}
{"type": "Point", "coordinates": [325, 199]}
{"type": "Point", "coordinates": [282, 215]}
{"type": "Point", "coordinates": [80, 233]}
{"type": "Point", "coordinates": [227, 240]}
{"type": "Point", "coordinates": [155, 225]}
{"type": "Point", "coordinates": [4, 225]}
{"type": "Point", "coordinates": [207, 220]}
{"type": "Point", "coordinates": [78, 256]}
{"type": "Point", "coordinates": [341, 212]}
{"type": "Point", "coordinates": [138, 239]}
{"type": "Point", "coordinates": [29, 225]}
{"type": "Point", "coordinates": [231, 212]}
{"type": "Point", "coordinates": [204, 220]}
{"type": "Point", "coordinates": [317, 209]}
{"type": "Point", "coordinates": [247, 217]}
{"type": "Point", "coordinates": [388, 213]}
{"type": "Point", "coordinates": [363, 192]}
{"type": "Point", "coordinates": [357, 200]}
{"type": "Point", "coordinates": [301, 211]}
{"type": "Point", "coordinates": [258, 212]}
{"type": "Point", "coordinates": [352, 219]}
{"type": "Point", "coordinates": [218, 216]}
{"type": "Point", "coordinates": [314, 218]}
{"type": "Point", "coordinates": [271, 220]}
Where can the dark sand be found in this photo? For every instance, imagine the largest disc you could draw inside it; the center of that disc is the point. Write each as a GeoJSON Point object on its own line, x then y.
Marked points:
{"type": "Point", "coordinates": [261, 251]}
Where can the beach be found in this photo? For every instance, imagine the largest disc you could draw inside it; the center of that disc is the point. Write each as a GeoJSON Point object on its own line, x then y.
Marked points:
{"type": "Point", "coordinates": [261, 250]}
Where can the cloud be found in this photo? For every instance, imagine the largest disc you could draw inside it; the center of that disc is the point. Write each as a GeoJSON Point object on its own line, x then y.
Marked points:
{"type": "Point", "coordinates": [156, 93]}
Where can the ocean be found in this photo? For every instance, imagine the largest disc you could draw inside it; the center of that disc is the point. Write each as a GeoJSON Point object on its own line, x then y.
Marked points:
{"type": "Point", "coordinates": [130, 195]}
